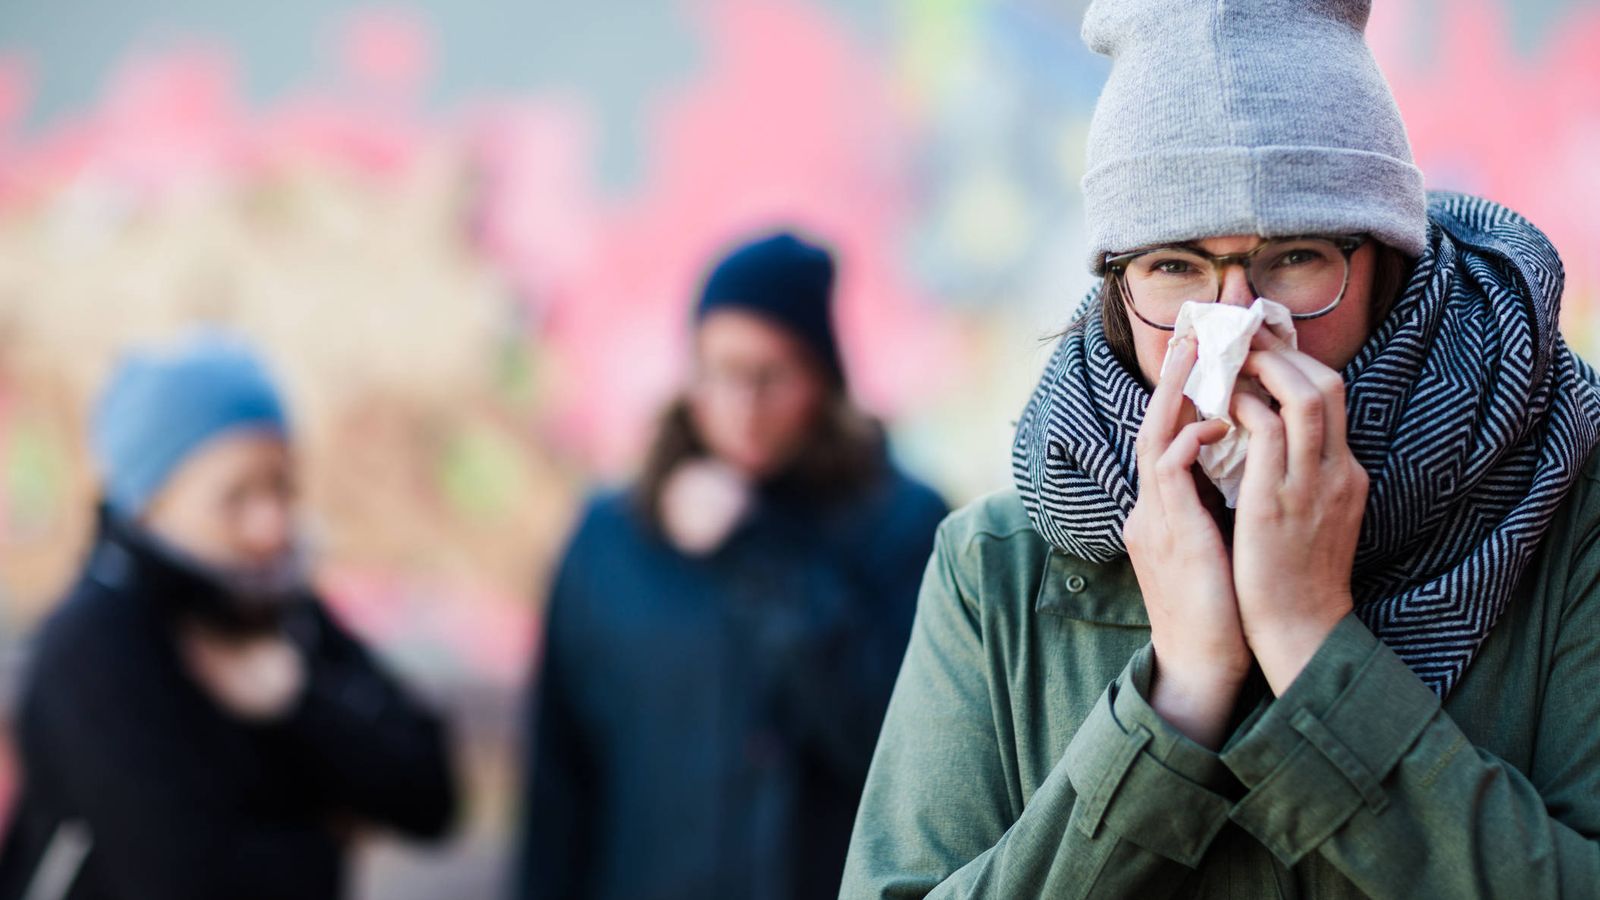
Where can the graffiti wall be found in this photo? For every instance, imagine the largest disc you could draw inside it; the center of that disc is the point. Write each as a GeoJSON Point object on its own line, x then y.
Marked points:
{"type": "Point", "coordinates": [469, 237]}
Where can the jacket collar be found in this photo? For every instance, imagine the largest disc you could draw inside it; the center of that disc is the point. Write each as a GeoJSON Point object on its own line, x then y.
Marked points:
{"type": "Point", "coordinates": [127, 559]}
{"type": "Point", "coordinates": [1107, 593]}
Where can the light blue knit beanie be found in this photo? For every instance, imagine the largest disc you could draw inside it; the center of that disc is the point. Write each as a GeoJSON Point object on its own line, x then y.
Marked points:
{"type": "Point", "coordinates": [164, 402]}
{"type": "Point", "coordinates": [1264, 117]}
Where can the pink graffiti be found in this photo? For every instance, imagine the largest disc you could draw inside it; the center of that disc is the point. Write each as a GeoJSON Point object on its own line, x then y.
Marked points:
{"type": "Point", "coordinates": [789, 121]}
{"type": "Point", "coordinates": [1520, 129]}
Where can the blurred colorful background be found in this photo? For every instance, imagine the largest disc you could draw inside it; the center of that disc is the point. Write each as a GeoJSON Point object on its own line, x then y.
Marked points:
{"type": "Point", "coordinates": [468, 233]}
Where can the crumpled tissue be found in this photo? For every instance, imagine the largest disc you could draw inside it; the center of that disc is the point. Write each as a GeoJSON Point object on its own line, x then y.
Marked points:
{"type": "Point", "coordinates": [1223, 333]}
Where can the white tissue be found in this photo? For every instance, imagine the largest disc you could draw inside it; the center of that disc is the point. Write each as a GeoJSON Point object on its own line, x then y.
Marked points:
{"type": "Point", "coordinates": [1222, 333]}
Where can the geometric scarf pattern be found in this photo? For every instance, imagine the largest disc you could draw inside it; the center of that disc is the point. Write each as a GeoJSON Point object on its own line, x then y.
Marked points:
{"type": "Point", "coordinates": [1465, 406]}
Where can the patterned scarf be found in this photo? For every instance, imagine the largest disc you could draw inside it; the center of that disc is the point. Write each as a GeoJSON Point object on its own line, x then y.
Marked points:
{"type": "Point", "coordinates": [1467, 409]}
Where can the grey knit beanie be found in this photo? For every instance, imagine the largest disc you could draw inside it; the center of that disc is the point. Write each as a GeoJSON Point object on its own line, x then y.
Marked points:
{"type": "Point", "coordinates": [1265, 117]}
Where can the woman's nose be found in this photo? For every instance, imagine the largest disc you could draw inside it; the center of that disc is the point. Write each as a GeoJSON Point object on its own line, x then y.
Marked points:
{"type": "Point", "coordinates": [1235, 288]}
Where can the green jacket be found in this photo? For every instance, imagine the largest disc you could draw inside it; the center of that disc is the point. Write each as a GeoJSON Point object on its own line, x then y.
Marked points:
{"type": "Point", "coordinates": [1020, 759]}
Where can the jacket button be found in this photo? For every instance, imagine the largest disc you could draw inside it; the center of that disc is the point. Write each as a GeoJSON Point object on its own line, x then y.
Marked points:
{"type": "Point", "coordinates": [1075, 583]}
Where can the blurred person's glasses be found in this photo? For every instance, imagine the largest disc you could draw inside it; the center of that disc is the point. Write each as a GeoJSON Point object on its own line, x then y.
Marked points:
{"type": "Point", "coordinates": [1306, 274]}
{"type": "Point", "coordinates": [762, 381]}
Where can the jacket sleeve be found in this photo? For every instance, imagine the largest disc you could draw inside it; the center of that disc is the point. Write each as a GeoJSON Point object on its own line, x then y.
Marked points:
{"type": "Point", "coordinates": [1128, 810]}
{"type": "Point", "coordinates": [162, 823]}
{"type": "Point", "coordinates": [369, 746]}
{"type": "Point", "coordinates": [847, 635]}
{"type": "Point", "coordinates": [560, 782]}
{"type": "Point", "coordinates": [1358, 762]}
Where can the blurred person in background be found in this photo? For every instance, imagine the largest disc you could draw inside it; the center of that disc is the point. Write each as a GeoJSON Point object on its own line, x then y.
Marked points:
{"type": "Point", "coordinates": [723, 635]}
{"type": "Point", "coordinates": [194, 723]}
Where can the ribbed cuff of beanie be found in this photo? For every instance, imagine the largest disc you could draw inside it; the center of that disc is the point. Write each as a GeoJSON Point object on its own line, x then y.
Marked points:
{"type": "Point", "coordinates": [1186, 194]}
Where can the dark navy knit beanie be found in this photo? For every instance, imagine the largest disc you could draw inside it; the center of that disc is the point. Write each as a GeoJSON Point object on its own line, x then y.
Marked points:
{"type": "Point", "coordinates": [785, 280]}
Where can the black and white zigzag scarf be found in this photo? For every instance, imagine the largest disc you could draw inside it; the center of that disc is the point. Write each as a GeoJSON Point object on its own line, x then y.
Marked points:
{"type": "Point", "coordinates": [1467, 409]}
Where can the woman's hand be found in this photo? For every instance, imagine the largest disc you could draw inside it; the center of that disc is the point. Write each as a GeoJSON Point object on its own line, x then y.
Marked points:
{"type": "Point", "coordinates": [1299, 512]}
{"type": "Point", "coordinates": [1182, 566]}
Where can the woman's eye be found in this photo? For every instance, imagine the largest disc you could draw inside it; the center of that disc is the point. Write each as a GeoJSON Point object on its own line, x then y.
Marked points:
{"type": "Point", "coordinates": [1298, 257]}
{"type": "Point", "coordinates": [1173, 267]}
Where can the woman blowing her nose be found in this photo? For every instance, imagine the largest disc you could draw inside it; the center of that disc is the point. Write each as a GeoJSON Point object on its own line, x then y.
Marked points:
{"type": "Point", "coordinates": [1379, 674]}
{"type": "Point", "coordinates": [194, 723]}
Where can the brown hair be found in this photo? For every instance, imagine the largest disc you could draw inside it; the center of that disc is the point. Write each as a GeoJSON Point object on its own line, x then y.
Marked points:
{"type": "Point", "coordinates": [842, 455]}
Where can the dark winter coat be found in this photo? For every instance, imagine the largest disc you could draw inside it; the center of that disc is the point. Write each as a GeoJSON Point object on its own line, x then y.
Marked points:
{"type": "Point", "coordinates": [702, 727]}
{"type": "Point", "coordinates": [127, 760]}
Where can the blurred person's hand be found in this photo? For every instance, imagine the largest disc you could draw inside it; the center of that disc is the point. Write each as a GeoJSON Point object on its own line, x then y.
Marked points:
{"type": "Point", "coordinates": [257, 678]}
{"type": "Point", "coordinates": [702, 501]}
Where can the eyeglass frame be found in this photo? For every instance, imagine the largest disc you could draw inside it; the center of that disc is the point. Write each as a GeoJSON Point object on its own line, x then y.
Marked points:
{"type": "Point", "coordinates": [1348, 244]}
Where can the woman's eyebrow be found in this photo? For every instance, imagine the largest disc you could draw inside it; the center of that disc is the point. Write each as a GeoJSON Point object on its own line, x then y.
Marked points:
{"type": "Point", "coordinates": [1179, 245]}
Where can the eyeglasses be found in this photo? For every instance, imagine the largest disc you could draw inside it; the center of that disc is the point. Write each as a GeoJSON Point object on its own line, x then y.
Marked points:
{"type": "Point", "coordinates": [761, 381]}
{"type": "Point", "coordinates": [1306, 274]}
